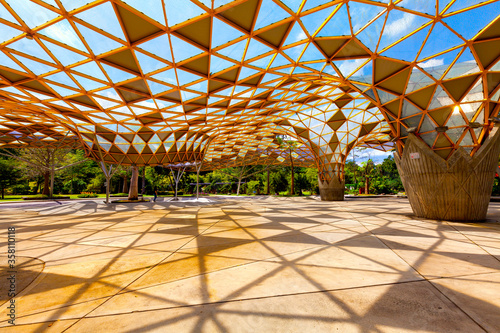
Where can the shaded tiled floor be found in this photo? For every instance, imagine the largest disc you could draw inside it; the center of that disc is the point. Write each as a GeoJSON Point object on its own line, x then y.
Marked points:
{"type": "Point", "coordinates": [254, 265]}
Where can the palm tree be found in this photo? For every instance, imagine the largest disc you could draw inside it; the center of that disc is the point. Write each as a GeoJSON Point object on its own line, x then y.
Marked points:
{"type": "Point", "coordinates": [367, 169]}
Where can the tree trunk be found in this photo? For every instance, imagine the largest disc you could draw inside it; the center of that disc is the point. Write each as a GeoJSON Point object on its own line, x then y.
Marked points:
{"type": "Point", "coordinates": [134, 184]}
{"type": "Point", "coordinates": [143, 190]}
{"type": "Point", "coordinates": [238, 190]}
{"type": "Point", "coordinates": [52, 175]}
{"type": "Point", "coordinates": [125, 185]}
{"type": "Point", "coordinates": [107, 174]}
{"type": "Point", "coordinates": [108, 186]}
{"type": "Point", "coordinates": [267, 191]}
{"type": "Point", "coordinates": [367, 184]}
{"type": "Point", "coordinates": [291, 162]}
{"type": "Point", "coordinates": [176, 182]}
{"type": "Point", "coordinates": [46, 183]}
{"type": "Point", "coordinates": [35, 191]}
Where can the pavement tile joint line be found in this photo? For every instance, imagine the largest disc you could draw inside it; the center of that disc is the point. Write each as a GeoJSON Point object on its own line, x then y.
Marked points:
{"type": "Point", "coordinates": [211, 256]}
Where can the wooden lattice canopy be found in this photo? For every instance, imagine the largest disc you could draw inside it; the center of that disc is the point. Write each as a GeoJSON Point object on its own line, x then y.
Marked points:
{"type": "Point", "coordinates": [159, 81]}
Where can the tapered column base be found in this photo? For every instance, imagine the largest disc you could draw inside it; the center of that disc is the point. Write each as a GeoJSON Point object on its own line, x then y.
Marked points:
{"type": "Point", "coordinates": [133, 193]}
{"type": "Point", "coordinates": [456, 190]}
{"type": "Point", "coordinates": [331, 191]}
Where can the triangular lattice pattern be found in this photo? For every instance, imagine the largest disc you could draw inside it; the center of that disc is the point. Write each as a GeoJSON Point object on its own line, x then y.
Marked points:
{"type": "Point", "coordinates": [156, 82]}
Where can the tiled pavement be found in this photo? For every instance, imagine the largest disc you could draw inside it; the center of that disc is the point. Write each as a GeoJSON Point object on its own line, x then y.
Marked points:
{"type": "Point", "coordinates": [250, 265]}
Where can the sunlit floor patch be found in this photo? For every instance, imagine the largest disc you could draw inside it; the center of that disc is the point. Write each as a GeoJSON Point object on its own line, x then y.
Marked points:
{"type": "Point", "coordinates": [223, 264]}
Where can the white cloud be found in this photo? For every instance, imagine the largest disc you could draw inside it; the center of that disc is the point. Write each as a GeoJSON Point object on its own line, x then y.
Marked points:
{"type": "Point", "coordinates": [112, 95]}
{"type": "Point", "coordinates": [300, 36]}
{"type": "Point", "coordinates": [147, 104]}
{"type": "Point", "coordinates": [105, 103]}
{"type": "Point", "coordinates": [400, 26]}
{"type": "Point", "coordinates": [432, 63]}
{"type": "Point", "coordinates": [376, 155]}
{"type": "Point", "coordinates": [348, 67]}
{"type": "Point", "coordinates": [63, 32]}
{"type": "Point", "coordinates": [177, 109]}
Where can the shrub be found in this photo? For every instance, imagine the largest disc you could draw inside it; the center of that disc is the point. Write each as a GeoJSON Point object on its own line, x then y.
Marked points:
{"type": "Point", "coordinates": [171, 193]}
{"type": "Point", "coordinates": [254, 187]}
{"type": "Point", "coordinates": [87, 195]}
{"type": "Point", "coordinates": [43, 196]}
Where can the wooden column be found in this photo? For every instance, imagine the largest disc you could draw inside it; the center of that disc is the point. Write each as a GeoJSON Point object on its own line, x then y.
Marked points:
{"type": "Point", "coordinates": [458, 189]}
{"type": "Point", "coordinates": [134, 184]}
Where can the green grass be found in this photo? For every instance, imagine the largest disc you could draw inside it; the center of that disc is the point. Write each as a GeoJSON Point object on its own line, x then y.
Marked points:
{"type": "Point", "coordinates": [285, 194]}
{"type": "Point", "coordinates": [12, 197]}
{"type": "Point", "coordinates": [230, 194]}
{"type": "Point", "coordinates": [281, 194]}
{"type": "Point", "coordinates": [19, 197]}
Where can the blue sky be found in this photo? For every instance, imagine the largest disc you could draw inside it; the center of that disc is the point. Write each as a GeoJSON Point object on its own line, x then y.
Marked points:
{"type": "Point", "coordinates": [377, 156]}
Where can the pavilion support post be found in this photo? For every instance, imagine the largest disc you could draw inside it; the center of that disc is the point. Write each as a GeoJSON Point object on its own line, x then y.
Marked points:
{"type": "Point", "coordinates": [332, 190]}
{"type": "Point", "coordinates": [177, 177]}
{"type": "Point", "coordinates": [108, 174]}
{"type": "Point", "coordinates": [108, 185]}
{"type": "Point", "coordinates": [458, 189]}
{"type": "Point", "coordinates": [239, 186]}
{"type": "Point", "coordinates": [240, 178]}
{"type": "Point", "coordinates": [134, 184]}
{"type": "Point", "coordinates": [199, 165]}
{"type": "Point", "coordinates": [176, 186]}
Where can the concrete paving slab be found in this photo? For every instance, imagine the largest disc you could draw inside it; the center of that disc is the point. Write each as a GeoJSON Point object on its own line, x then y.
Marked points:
{"type": "Point", "coordinates": [26, 271]}
{"type": "Point", "coordinates": [359, 262]}
{"type": "Point", "coordinates": [255, 264]}
{"type": "Point", "coordinates": [407, 307]}
{"type": "Point", "coordinates": [477, 295]}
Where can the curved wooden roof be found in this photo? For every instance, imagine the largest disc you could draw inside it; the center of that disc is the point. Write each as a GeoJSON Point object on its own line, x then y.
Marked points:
{"type": "Point", "coordinates": [157, 82]}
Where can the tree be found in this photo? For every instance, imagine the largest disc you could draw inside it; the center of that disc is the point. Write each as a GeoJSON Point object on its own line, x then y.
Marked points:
{"type": "Point", "coordinates": [77, 177]}
{"type": "Point", "coordinates": [176, 173]}
{"type": "Point", "coordinates": [238, 173]}
{"type": "Point", "coordinates": [124, 172]}
{"type": "Point", "coordinates": [108, 174]}
{"type": "Point", "coordinates": [367, 169]}
{"type": "Point", "coordinates": [9, 174]}
{"type": "Point", "coordinates": [242, 172]}
{"type": "Point", "coordinates": [159, 177]}
{"type": "Point", "coordinates": [44, 161]}
{"type": "Point", "coordinates": [255, 187]}
{"type": "Point", "coordinates": [290, 146]}
{"type": "Point", "coordinates": [351, 171]}
{"type": "Point", "coordinates": [279, 181]}
{"type": "Point", "coordinates": [386, 177]}
{"type": "Point", "coordinates": [301, 180]}
{"type": "Point", "coordinates": [312, 178]}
